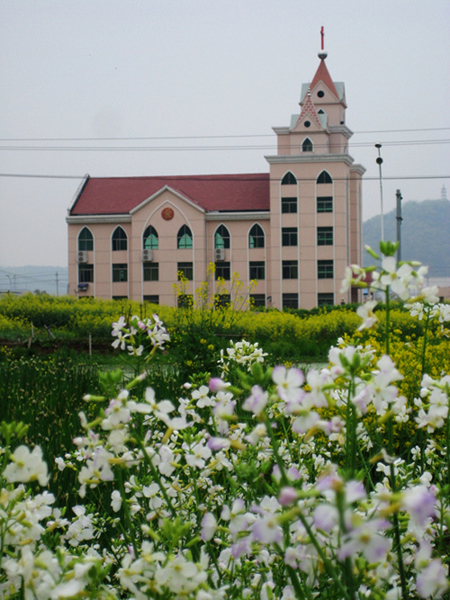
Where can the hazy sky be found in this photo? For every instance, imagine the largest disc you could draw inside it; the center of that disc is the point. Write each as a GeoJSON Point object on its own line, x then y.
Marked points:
{"type": "Point", "coordinates": [184, 75]}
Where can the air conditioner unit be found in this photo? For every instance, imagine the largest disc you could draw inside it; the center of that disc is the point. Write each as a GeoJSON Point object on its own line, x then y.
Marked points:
{"type": "Point", "coordinates": [219, 254]}
{"type": "Point", "coordinates": [82, 257]}
{"type": "Point", "coordinates": [82, 287]}
{"type": "Point", "coordinates": [147, 255]}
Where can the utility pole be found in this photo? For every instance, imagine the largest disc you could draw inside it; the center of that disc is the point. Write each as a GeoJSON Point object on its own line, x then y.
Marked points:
{"type": "Point", "coordinates": [399, 223]}
{"type": "Point", "coordinates": [57, 291]}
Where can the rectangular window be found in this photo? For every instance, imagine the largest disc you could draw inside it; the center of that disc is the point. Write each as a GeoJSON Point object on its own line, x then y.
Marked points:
{"type": "Point", "coordinates": [120, 297]}
{"type": "Point", "coordinates": [289, 236]}
{"type": "Point", "coordinates": [185, 301]}
{"type": "Point", "coordinates": [324, 204]}
{"type": "Point", "coordinates": [222, 301]}
{"type": "Point", "coordinates": [258, 300]}
{"type": "Point", "coordinates": [288, 205]}
{"type": "Point", "coordinates": [185, 270]}
{"type": "Point", "coordinates": [325, 269]}
{"type": "Point", "coordinates": [324, 236]}
{"type": "Point", "coordinates": [290, 269]}
{"type": "Point", "coordinates": [325, 299]}
{"type": "Point", "coordinates": [290, 300]}
{"type": "Point", "coordinates": [223, 271]}
{"type": "Point", "coordinates": [257, 270]}
{"type": "Point", "coordinates": [85, 273]}
{"type": "Point", "coordinates": [152, 299]}
{"type": "Point", "coordinates": [120, 272]}
{"type": "Point", "coordinates": [151, 271]}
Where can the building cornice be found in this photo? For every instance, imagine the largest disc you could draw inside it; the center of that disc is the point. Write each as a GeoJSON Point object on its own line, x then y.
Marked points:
{"type": "Point", "coordinates": [358, 169]}
{"type": "Point", "coordinates": [86, 219]}
{"type": "Point", "coordinates": [341, 129]}
{"type": "Point", "coordinates": [281, 130]}
{"type": "Point", "coordinates": [251, 215]}
{"type": "Point", "coordinates": [310, 158]}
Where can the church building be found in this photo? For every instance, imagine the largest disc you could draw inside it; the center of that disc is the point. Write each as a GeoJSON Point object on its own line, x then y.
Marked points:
{"type": "Point", "coordinates": [293, 229]}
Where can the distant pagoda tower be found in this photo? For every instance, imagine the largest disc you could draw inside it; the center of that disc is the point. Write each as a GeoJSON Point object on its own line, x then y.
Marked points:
{"type": "Point", "coordinates": [443, 193]}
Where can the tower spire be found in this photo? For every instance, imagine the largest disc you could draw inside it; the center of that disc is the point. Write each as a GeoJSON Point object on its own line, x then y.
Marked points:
{"type": "Point", "coordinates": [322, 54]}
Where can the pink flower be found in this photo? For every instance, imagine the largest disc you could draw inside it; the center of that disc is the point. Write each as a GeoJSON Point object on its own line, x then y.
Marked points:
{"type": "Point", "coordinates": [287, 496]}
{"type": "Point", "coordinates": [257, 401]}
{"type": "Point", "coordinates": [432, 581]}
{"type": "Point", "coordinates": [420, 503]}
{"type": "Point", "coordinates": [209, 526]}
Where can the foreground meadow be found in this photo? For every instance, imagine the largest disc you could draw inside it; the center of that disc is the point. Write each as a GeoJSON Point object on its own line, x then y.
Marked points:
{"type": "Point", "coordinates": [220, 473]}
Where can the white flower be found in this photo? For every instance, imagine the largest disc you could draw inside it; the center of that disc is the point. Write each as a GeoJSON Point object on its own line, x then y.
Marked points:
{"type": "Point", "coordinates": [288, 383]}
{"type": "Point", "coordinates": [26, 466]}
{"type": "Point", "coordinates": [365, 312]}
{"type": "Point", "coordinates": [116, 500]}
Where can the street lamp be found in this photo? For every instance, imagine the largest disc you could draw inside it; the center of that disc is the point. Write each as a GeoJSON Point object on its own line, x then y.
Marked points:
{"type": "Point", "coordinates": [379, 163]}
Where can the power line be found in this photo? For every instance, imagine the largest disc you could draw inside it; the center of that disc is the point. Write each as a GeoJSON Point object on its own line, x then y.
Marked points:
{"type": "Point", "coordinates": [208, 148]}
{"type": "Point", "coordinates": [198, 137]}
{"type": "Point", "coordinates": [216, 177]}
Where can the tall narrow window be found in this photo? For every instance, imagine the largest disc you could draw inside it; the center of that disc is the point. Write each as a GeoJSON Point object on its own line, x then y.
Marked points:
{"type": "Point", "coordinates": [119, 239]}
{"type": "Point", "coordinates": [85, 240]}
{"type": "Point", "coordinates": [256, 237]}
{"type": "Point", "coordinates": [184, 237]}
{"type": "Point", "coordinates": [289, 179]}
{"type": "Point", "coordinates": [324, 177]}
{"type": "Point", "coordinates": [150, 238]}
{"type": "Point", "coordinates": [307, 145]}
{"type": "Point", "coordinates": [222, 237]}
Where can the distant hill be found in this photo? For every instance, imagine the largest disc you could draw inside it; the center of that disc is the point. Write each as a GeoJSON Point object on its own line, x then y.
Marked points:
{"type": "Point", "coordinates": [52, 280]}
{"type": "Point", "coordinates": [425, 234]}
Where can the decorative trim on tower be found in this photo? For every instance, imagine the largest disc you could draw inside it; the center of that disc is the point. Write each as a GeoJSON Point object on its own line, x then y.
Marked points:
{"type": "Point", "coordinates": [309, 109]}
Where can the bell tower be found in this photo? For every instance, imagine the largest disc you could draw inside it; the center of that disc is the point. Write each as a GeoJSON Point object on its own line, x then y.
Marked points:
{"type": "Point", "coordinates": [315, 199]}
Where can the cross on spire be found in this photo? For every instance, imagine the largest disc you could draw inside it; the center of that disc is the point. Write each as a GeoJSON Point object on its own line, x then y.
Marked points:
{"type": "Point", "coordinates": [322, 35]}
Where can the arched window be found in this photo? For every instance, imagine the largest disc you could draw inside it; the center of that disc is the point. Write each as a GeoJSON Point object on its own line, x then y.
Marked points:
{"type": "Point", "coordinates": [307, 145]}
{"type": "Point", "coordinates": [184, 237]}
{"type": "Point", "coordinates": [150, 238]}
{"type": "Point", "coordinates": [85, 240]}
{"type": "Point", "coordinates": [222, 237]}
{"type": "Point", "coordinates": [256, 238]}
{"type": "Point", "coordinates": [289, 179]}
{"type": "Point", "coordinates": [324, 177]}
{"type": "Point", "coordinates": [119, 239]}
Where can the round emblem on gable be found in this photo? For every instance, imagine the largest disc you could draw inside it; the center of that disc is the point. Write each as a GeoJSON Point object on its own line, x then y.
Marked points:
{"type": "Point", "coordinates": [167, 214]}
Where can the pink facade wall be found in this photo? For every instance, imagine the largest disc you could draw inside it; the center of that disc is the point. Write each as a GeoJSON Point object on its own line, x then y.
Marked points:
{"type": "Point", "coordinates": [329, 153]}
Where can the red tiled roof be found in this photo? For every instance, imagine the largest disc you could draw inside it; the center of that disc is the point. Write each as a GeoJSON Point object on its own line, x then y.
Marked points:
{"type": "Point", "coordinates": [119, 195]}
{"type": "Point", "coordinates": [323, 75]}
